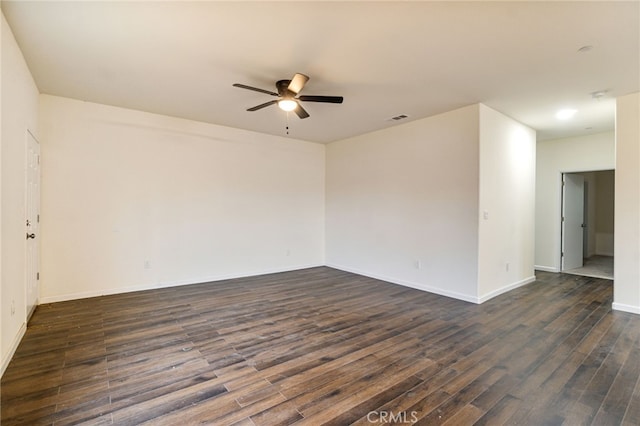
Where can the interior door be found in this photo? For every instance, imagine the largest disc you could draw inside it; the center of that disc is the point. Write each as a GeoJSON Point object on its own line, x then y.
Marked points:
{"type": "Point", "coordinates": [32, 222]}
{"type": "Point", "coordinates": [572, 220]}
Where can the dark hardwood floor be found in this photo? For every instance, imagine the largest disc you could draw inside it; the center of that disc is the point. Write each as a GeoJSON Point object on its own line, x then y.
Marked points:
{"type": "Point", "coordinates": [321, 346]}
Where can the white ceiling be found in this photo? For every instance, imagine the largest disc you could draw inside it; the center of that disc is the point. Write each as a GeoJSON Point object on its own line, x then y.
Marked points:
{"type": "Point", "coordinates": [386, 58]}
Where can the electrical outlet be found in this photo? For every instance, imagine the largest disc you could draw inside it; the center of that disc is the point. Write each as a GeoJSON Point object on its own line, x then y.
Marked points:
{"type": "Point", "coordinates": [417, 264]}
{"type": "Point", "coordinates": [147, 264]}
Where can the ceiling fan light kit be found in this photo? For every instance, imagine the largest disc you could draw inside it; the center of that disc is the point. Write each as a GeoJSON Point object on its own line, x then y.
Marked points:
{"type": "Point", "coordinates": [287, 104]}
{"type": "Point", "coordinates": [288, 99]}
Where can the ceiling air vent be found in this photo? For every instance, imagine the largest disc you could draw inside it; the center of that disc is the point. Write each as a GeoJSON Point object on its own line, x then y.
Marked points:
{"type": "Point", "coordinates": [398, 117]}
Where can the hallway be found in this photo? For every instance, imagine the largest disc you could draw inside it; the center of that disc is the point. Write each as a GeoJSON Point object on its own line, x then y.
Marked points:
{"type": "Point", "coordinates": [595, 266]}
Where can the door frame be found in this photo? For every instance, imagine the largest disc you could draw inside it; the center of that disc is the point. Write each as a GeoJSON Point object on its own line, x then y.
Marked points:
{"type": "Point", "coordinates": [559, 211]}
{"type": "Point", "coordinates": [563, 219]}
{"type": "Point", "coordinates": [32, 253]}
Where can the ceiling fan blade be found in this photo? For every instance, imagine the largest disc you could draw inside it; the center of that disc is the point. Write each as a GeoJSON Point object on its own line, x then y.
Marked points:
{"type": "Point", "coordinates": [301, 112]}
{"type": "Point", "coordinates": [327, 99]}
{"type": "Point", "coordinates": [255, 89]}
{"type": "Point", "coordinates": [266, 104]}
{"type": "Point", "coordinates": [297, 83]}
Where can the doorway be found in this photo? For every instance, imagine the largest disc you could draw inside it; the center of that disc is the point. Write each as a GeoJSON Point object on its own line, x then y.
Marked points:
{"type": "Point", "coordinates": [587, 223]}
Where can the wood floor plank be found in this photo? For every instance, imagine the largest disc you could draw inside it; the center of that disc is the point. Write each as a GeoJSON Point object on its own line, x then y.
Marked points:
{"type": "Point", "coordinates": [361, 389]}
{"type": "Point", "coordinates": [501, 412]}
{"type": "Point", "coordinates": [557, 357]}
{"type": "Point", "coordinates": [467, 415]}
{"type": "Point", "coordinates": [227, 408]}
{"type": "Point", "coordinates": [601, 385]}
{"type": "Point", "coordinates": [323, 346]}
{"type": "Point", "coordinates": [328, 375]}
{"type": "Point", "coordinates": [367, 404]}
{"type": "Point", "coordinates": [587, 371]}
{"type": "Point", "coordinates": [632, 413]}
{"type": "Point", "coordinates": [462, 397]}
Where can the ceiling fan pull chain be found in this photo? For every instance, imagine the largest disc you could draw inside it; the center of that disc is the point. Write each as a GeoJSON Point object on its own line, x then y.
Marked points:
{"type": "Point", "coordinates": [287, 122]}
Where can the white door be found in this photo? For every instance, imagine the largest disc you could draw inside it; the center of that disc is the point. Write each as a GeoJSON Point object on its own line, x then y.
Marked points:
{"type": "Point", "coordinates": [32, 223]}
{"type": "Point", "coordinates": [572, 220]}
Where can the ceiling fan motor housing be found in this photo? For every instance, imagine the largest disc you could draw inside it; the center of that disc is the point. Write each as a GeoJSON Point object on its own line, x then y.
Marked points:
{"type": "Point", "coordinates": [283, 89]}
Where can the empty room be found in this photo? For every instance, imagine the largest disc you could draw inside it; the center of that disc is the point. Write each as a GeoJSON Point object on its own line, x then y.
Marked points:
{"type": "Point", "coordinates": [319, 212]}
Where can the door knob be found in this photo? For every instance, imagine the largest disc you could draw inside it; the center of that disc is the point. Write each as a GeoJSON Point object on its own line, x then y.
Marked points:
{"type": "Point", "coordinates": [31, 236]}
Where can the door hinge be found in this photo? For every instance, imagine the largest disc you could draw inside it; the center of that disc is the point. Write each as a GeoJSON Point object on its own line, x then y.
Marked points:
{"type": "Point", "coordinates": [38, 218]}
{"type": "Point", "coordinates": [37, 275]}
{"type": "Point", "coordinates": [562, 254]}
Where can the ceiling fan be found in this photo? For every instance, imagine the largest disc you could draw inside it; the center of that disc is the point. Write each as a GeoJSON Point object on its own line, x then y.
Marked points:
{"type": "Point", "coordinates": [288, 98]}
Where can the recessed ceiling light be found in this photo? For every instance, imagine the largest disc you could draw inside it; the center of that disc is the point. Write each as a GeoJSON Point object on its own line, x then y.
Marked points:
{"type": "Point", "coordinates": [584, 49]}
{"type": "Point", "coordinates": [565, 114]}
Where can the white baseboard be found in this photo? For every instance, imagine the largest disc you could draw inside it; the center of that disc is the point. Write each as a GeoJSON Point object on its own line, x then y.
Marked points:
{"type": "Point", "coordinates": [143, 287]}
{"type": "Point", "coordinates": [213, 279]}
{"type": "Point", "coordinates": [626, 308]}
{"type": "Point", "coordinates": [546, 268]}
{"type": "Point", "coordinates": [506, 289]}
{"type": "Point", "coordinates": [406, 283]}
{"type": "Point", "coordinates": [437, 290]}
{"type": "Point", "coordinates": [12, 349]}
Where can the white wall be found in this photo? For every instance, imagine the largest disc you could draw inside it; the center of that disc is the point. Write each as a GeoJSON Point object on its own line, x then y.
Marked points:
{"type": "Point", "coordinates": [591, 182]}
{"type": "Point", "coordinates": [3, 357]}
{"type": "Point", "coordinates": [19, 113]}
{"type": "Point", "coordinates": [604, 213]}
{"type": "Point", "coordinates": [507, 195]}
{"type": "Point", "coordinates": [402, 204]}
{"type": "Point", "coordinates": [554, 157]}
{"type": "Point", "coordinates": [133, 200]}
{"type": "Point", "coordinates": [626, 292]}
{"type": "Point", "coordinates": [407, 204]}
